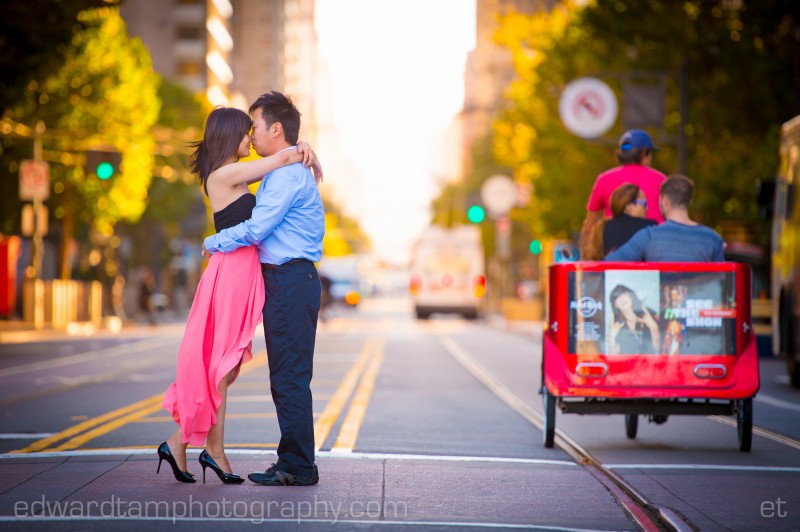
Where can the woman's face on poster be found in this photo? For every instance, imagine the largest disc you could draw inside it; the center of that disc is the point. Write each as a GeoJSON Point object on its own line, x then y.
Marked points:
{"type": "Point", "coordinates": [624, 303]}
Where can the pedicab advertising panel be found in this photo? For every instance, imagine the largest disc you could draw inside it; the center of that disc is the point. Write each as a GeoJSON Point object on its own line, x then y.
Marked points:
{"type": "Point", "coordinates": [649, 339]}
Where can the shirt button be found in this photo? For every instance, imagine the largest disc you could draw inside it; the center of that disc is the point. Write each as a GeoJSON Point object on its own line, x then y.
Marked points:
{"type": "Point", "coordinates": [310, 276]}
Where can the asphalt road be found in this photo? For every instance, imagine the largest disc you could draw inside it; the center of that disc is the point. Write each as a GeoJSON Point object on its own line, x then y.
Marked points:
{"type": "Point", "coordinates": [439, 418]}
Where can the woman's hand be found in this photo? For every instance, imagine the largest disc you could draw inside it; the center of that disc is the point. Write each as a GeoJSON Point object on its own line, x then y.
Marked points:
{"type": "Point", "coordinates": [613, 331]}
{"type": "Point", "coordinates": [650, 322]}
{"type": "Point", "coordinates": [310, 159]}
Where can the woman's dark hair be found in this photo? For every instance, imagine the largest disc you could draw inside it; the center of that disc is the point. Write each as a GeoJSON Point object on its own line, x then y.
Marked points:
{"type": "Point", "coordinates": [619, 290]}
{"type": "Point", "coordinates": [622, 196]}
{"type": "Point", "coordinates": [225, 129]}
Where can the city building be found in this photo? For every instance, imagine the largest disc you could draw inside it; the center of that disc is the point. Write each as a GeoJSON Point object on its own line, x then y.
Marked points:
{"type": "Point", "coordinates": [233, 50]}
{"type": "Point", "coordinates": [489, 70]}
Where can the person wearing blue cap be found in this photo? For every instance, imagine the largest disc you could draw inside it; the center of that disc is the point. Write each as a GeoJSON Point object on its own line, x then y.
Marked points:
{"type": "Point", "coordinates": [635, 156]}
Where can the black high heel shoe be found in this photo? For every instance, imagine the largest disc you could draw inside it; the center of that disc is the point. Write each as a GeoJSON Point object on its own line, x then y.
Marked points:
{"type": "Point", "coordinates": [227, 478]}
{"type": "Point", "coordinates": [165, 454]}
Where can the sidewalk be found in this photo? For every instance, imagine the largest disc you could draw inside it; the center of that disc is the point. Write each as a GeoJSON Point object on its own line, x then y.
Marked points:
{"type": "Point", "coordinates": [17, 332]}
{"type": "Point", "coordinates": [120, 489]}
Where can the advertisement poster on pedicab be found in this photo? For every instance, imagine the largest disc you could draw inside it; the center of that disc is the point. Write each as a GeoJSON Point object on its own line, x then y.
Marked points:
{"type": "Point", "coordinates": [632, 299]}
{"type": "Point", "coordinates": [698, 313]}
{"type": "Point", "coordinates": [651, 312]}
{"type": "Point", "coordinates": [586, 313]}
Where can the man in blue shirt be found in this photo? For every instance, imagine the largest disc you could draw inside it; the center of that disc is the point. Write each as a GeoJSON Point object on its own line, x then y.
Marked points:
{"type": "Point", "coordinates": [287, 224]}
{"type": "Point", "coordinates": [679, 238]}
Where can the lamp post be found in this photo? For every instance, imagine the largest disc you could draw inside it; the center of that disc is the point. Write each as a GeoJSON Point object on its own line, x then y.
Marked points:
{"type": "Point", "coordinates": [499, 194]}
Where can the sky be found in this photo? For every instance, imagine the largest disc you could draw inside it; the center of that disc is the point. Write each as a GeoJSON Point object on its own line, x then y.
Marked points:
{"type": "Point", "coordinates": [393, 80]}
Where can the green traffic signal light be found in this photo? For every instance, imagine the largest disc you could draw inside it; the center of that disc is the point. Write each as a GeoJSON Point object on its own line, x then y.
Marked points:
{"type": "Point", "coordinates": [535, 247]}
{"type": "Point", "coordinates": [104, 170]}
{"type": "Point", "coordinates": [104, 164]}
{"type": "Point", "coordinates": [476, 214]}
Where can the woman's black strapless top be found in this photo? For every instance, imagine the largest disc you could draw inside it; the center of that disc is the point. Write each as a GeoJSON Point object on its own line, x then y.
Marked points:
{"type": "Point", "coordinates": [235, 213]}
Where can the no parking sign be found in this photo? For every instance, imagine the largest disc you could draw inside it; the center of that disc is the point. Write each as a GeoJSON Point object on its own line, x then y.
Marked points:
{"type": "Point", "coordinates": [588, 107]}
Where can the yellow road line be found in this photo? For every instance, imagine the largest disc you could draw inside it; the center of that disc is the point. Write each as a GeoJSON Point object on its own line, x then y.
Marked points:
{"type": "Point", "coordinates": [88, 424]}
{"type": "Point", "coordinates": [334, 407]}
{"type": "Point", "coordinates": [116, 418]}
{"type": "Point", "coordinates": [348, 433]}
{"type": "Point", "coordinates": [79, 440]}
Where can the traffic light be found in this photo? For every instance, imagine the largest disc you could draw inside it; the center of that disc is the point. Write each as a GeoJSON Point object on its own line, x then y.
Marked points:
{"type": "Point", "coordinates": [535, 247]}
{"type": "Point", "coordinates": [102, 163]}
{"type": "Point", "coordinates": [476, 214]}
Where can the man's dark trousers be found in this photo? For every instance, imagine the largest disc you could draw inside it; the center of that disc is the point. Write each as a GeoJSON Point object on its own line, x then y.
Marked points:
{"type": "Point", "coordinates": [291, 309]}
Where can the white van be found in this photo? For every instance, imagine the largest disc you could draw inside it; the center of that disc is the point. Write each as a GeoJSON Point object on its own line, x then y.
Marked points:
{"type": "Point", "coordinates": [447, 272]}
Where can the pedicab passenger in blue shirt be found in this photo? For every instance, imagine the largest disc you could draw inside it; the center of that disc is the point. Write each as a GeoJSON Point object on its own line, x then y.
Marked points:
{"type": "Point", "coordinates": [678, 238]}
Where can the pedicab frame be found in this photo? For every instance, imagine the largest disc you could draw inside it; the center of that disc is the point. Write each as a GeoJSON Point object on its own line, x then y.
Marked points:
{"type": "Point", "coordinates": [590, 381]}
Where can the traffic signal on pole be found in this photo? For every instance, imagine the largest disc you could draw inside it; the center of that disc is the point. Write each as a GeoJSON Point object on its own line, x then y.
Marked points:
{"type": "Point", "coordinates": [535, 247]}
{"type": "Point", "coordinates": [103, 163]}
{"type": "Point", "coordinates": [476, 214]}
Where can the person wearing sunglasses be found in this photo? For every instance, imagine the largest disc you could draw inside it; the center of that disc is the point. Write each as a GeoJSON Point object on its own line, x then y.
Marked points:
{"type": "Point", "coordinates": [629, 211]}
{"type": "Point", "coordinates": [679, 238]}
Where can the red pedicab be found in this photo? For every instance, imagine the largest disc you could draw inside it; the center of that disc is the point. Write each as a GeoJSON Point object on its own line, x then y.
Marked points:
{"type": "Point", "coordinates": [654, 339]}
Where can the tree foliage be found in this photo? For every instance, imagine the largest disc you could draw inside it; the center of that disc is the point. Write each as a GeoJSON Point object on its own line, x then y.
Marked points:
{"type": "Point", "coordinates": [34, 39]}
{"type": "Point", "coordinates": [742, 84]}
{"type": "Point", "coordinates": [176, 207]}
{"type": "Point", "coordinates": [103, 96]}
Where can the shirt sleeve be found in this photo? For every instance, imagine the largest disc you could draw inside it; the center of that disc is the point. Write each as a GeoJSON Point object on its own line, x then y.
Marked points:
{"type": "Point", "coordinates": [274, 198]}
{"type": "Point", "coordinates": [633, 249]}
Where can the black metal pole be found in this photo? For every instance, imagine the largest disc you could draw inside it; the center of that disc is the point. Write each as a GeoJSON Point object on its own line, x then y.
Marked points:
{"type": "Point", "coordinates": [684, 109]}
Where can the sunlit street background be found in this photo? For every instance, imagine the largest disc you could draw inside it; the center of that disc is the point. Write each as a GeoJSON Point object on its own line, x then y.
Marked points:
{"type": "Point", "coordinates": [460, 140]}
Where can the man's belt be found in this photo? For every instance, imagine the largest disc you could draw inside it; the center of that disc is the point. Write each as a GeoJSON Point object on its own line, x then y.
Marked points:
{"type": "Point", "coordinates": [265, 266]}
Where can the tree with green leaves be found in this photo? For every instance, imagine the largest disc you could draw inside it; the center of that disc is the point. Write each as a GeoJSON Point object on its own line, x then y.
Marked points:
{"type": "Point", "coordinates": [103, 96]}
{"type": "Point", "coordinates": [740, 58]}
{"type": "Point", "coordinates": [35, 36]}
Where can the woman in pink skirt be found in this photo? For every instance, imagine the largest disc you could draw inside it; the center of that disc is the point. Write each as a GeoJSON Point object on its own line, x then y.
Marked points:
{"type": "Point", "coordinates": [229, 300]}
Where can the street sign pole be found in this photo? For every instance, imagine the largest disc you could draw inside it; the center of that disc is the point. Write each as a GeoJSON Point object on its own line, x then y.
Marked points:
{"type": "Point", "coordinates": [499, 194]}
{"type": "Point", "coordinates": [34, 185]}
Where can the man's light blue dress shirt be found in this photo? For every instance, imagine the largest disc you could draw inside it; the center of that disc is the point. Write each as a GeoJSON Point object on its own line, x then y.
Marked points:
{"type": "Point", "coordinates": [288, 221]}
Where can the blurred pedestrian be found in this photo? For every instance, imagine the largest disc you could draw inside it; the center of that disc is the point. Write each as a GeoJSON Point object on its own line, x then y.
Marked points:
{"type": "Point", "coordinates": [288, 224]}
{"type": "Point", "coordinates": [635, 155]}
{"type": "Point", "coordinates": [145, 300]}
{"type": "Point", "coordinates": [325, 298]}
{"type": "Point", "coordinates": [629, 208]}
{"type": "Point", "coordinates": [229, 299]}
{"type": "Point", "coordinates": [679, 239]}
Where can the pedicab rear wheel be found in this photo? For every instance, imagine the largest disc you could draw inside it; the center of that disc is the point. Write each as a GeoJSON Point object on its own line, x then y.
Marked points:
{"type": "Point", "coordinates": [744, 424]}
{"type": "Point", "coordinates": [631, 425]}
{"type": "Point", "coordinates": [549, 430]}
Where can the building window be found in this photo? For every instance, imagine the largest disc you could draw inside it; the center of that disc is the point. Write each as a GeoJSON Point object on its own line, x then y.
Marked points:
{"type": "Point", "coordinates": [188, 67]}
{"type": "Point", "coordinates": [189, 33]}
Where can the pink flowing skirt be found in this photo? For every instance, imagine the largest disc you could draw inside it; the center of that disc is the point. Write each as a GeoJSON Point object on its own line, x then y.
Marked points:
{"type": "Point", "coordinates": [225, 312]}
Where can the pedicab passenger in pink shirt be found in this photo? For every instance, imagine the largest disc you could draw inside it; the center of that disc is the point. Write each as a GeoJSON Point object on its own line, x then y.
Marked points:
{"type": "Point", "coordinates": [635, 155]}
